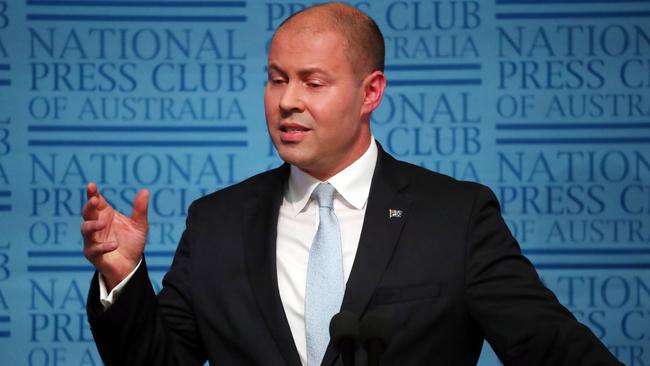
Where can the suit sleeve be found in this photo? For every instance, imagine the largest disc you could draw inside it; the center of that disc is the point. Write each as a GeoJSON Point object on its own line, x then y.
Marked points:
{"type": "Point", "coordinates": [522, 320]}
{"type": "Point", "coordinates": [142, 329]}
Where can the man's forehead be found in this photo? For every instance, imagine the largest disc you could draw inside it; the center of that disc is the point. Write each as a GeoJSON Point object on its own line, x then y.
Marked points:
{"type": "Point", "coordinates": [300, 41]}
{"type": "Point", "coordinates": [315, 17]}
{"type": "Point", "coordinates": [312, 21]}
{"type": "Point", "coordinates": [309, 28]}
{"type": "Point", "coordinates": [306, 25]}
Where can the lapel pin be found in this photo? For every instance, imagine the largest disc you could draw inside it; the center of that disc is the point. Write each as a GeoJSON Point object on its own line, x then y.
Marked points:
{"type": "Point", "coordinates": [393, 213]}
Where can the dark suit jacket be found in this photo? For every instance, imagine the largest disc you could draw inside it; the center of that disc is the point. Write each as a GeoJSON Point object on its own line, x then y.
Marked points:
{"type": "Point", "coordinates": [446, 275]}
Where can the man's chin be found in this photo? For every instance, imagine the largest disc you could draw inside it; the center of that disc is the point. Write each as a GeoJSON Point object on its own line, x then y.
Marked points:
{"type": "Point", "coordinates": [291, 154]}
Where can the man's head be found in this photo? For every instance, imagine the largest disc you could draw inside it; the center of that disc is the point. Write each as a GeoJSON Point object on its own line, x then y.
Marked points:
{"type": "Point", "coordinates": [325, 78]}
{"type": "Point", "coordinates": [362, 40]}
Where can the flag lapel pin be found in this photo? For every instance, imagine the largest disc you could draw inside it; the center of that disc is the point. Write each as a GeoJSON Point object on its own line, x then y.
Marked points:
{"type": "Point", "coordinates": [393, 213]}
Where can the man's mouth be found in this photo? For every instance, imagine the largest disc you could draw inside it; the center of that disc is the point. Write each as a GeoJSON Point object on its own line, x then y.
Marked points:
{"type": "Point", "coordinates": [293, 133]}
{"type": "Point", "coordinates": [293, 129]}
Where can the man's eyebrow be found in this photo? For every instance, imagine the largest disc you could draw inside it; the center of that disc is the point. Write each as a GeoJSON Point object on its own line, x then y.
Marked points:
{"type": "Point", "coordinates": [274, 67]}
{"type": "Point", "coordinates": [302, 72]}
{"type": "Point", "coordinates": [312, 70]}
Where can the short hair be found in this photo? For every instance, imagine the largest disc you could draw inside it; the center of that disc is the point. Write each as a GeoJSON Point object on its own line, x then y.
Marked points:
{"type": "Point", "coordinates": [364, 46]}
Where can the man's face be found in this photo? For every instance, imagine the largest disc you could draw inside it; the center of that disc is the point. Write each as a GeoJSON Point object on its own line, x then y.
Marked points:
{"type": "Point", "coordinates": [313, 102]}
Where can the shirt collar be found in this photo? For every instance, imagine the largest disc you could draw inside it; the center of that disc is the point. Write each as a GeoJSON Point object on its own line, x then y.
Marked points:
{"type": "Point", "coordinates": [352, 183]}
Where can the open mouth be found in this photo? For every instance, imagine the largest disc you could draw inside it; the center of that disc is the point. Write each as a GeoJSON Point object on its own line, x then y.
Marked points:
{"type": "Point", "coordinates": [292, 133]}
{"type": "Point", "coordinates": [288, 126]}
{"type": "Point", "coordinates": [293, 129]}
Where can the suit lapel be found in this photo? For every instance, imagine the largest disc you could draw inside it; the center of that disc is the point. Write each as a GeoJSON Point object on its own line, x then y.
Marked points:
{"type": "Point", "coordinates": [379, 235]}
{"type": "Point", "coordinates": [260, 233]}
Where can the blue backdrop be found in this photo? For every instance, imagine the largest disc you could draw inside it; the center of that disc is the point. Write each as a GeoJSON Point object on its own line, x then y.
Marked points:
{"type": "Point", "coordinates": [547, 102]}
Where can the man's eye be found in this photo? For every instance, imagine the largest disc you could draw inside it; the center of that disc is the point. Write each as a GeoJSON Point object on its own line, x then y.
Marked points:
{"type": "Point", "coordinates": [314, 84]}
{"type": "Point", "coordinates": [276, 81]}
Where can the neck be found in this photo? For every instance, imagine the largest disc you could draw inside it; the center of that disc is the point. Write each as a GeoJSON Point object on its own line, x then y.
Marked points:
{"type": "Point", "coordinates": [324, 175]}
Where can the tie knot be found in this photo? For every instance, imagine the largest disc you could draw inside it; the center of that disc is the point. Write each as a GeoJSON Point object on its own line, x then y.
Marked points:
{"type": "Point", "coordinates": [324, 194]}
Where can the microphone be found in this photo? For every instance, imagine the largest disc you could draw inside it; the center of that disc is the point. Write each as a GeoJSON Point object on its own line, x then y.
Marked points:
{"type": "Point", "coordinates": [375, 337]}
{"type": "Point", "coordinates": [344, 334]}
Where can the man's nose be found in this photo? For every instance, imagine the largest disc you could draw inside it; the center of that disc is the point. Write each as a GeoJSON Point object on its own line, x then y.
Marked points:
{"type": "Point", "coordinates": [291, 99]}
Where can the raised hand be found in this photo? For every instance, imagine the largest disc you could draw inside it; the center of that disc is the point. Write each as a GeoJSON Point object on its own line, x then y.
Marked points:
{"type": "Point", "coordinates": [114, 243]}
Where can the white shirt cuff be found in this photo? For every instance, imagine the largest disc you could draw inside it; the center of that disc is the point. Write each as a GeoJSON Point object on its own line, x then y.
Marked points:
{"type": "Point", "coordinates": [108, 299]}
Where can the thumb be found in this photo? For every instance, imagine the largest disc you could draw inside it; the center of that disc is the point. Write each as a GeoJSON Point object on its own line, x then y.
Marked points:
{"type": "Point", "coordinates": [140, 207]}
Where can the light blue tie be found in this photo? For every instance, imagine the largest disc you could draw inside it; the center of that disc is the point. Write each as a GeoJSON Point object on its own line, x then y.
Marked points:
{"type": "Point", "coordinates": [325, 287]}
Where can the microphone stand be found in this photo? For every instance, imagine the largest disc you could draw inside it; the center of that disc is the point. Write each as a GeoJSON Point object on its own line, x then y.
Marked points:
{"type": "Point", "coordinates": [375, 337]}
{"type": "Point", "coordinates": [344, 334]}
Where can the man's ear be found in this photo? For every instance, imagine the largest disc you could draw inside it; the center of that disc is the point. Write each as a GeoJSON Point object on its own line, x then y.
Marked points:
{"type": "Point", "coordinates": [373, 88]}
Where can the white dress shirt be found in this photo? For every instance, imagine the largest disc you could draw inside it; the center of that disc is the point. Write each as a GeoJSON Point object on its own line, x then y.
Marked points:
{"type": "Point", "coordinates": [297, 225]}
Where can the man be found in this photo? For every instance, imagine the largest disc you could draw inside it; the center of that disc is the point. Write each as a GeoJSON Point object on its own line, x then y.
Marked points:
{"type": "Point", "coordinates": [428, 254]}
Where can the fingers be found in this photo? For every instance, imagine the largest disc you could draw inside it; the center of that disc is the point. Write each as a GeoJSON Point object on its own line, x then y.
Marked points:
{"type": "Point", "coordinates": [88, 228]}
{"type": "Point", "coordinates": [140, 207]}
{"type": "Point", "coordinates": [90, 211]}
{"type": "Point", "coordinates": [92, 248]}
{"type": "Point", "coordinates": [96, 250]}
{"type": "Point", "coordinates": [90, 232]}
{"type": "Point", "coordinates": [92, 192]}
